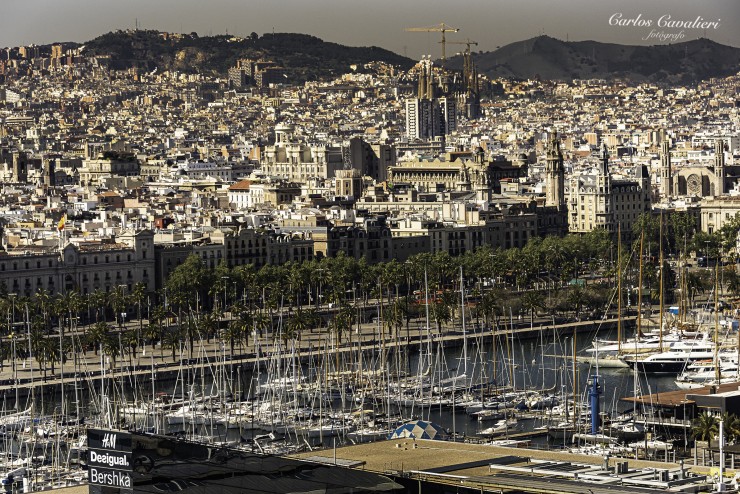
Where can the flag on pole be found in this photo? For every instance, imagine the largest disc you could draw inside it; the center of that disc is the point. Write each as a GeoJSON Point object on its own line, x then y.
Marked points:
{"type": "Point", "coordinates": [62, 222]}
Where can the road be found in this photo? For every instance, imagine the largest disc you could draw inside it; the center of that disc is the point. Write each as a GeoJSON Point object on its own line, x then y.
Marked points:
{"type": "Point", "coordinates": [158, 361]}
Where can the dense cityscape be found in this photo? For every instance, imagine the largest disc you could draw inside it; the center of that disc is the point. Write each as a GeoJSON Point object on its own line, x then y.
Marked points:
{"type": "Point", "coordinates": [275, 259]}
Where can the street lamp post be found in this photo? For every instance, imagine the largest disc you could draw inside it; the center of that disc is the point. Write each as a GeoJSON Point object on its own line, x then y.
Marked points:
{"type": "Point", "coordinates": [225, 280]}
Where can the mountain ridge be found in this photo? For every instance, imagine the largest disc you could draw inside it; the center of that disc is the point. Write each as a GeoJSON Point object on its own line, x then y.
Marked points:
{"type": "Point", "coordinates": [550, 58]}
{"type": "Point", "coordinates": [307, 57]}
{"type": "Point", "coordinates": [303, 56]}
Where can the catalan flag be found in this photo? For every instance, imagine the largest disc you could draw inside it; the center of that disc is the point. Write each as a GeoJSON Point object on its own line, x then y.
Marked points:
{"type": "Point", "coordinates": [62, 222]}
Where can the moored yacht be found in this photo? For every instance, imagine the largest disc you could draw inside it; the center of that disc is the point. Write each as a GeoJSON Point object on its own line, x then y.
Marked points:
{"type": "Point", "coordinates": [674, 360]}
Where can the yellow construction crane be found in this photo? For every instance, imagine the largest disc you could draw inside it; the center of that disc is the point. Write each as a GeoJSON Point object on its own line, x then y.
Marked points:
{"type": "Point", "coordinates": [467, 42]}
{"type": "Point", "coordinates": [439, 28]}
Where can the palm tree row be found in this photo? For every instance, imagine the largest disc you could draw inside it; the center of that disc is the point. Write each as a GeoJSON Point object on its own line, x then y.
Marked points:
{"type": "Point", "coordinates": [197, 302]}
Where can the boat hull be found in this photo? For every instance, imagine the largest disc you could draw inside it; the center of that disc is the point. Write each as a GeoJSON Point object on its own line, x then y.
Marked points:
{"type": "Point", "coordinates": [657, 367]}
{"type": "Point", "coordinates": [604, 363]}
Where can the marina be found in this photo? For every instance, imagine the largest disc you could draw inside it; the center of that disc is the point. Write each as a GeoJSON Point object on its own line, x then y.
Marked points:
{"type": "Point", "coordinates": [513, 386]}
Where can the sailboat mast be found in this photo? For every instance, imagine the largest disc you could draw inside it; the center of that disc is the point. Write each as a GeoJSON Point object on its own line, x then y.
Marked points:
{"type": "Point", "coordinates": [575, 380]}
{"type": "Point", "coordinates": [717, 370]}
{"type": "Point", "coordinates": [639, 288]}
{"type": "Point", "coordinates": [465, 338]}
{"type": "Point", "coordinates": [619, 288]}
{"type": "Point", "coordinates": [660, 327]}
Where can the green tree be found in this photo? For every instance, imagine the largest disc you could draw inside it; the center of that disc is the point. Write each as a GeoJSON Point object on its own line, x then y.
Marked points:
{"type": "Point", "coordinates": [97, 335]}
{"type": "Point", "coordinates": [97, 302]}
{"type": "Point", "coordinates": [186, 287]}
{"type": "Point", "coordinates": [683, 226]}
{"type": "Point", "coordinates": [138, 296]}
{"type": "Point", "coordinates": [704, 427]}
{"type": "Point", "coordinates": [172, 339]}
{"type": "Point", "coordinates": [532, 301]}
{"type": "Point", "coordinates": [222, 279]}
{"type": "Point", "coordinates": [441, 312]}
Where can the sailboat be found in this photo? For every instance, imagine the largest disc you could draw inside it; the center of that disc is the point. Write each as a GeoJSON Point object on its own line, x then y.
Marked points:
{"type": "Point", "coordinates": [682, 353]}
{"type": "Point", "coordinates": [611, 354]}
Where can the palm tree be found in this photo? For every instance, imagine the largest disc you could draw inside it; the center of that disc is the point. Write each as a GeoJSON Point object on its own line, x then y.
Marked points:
{"type": "Point", "coordinates": [705, 427]}
{"type": "Point", "coordinates": [222, 278]}
{"type": "Point", "coordinates": [261, 322]}
{"type": "Point", "coordinates": [97, 335]}
{"type": "Point", "coordinates": [207, 324]}
{"type": "Point", "coordinates": [130, 341]}
{"type": "Point", "coordinates": [299, 322]}
{"type": "Point", "coordinates": [343, 321]}
{"type": "Point", "coordinates": [45, 305]}
{"type": "Point", "coordinates": [138, 295]}
{"type": "Point", "coordinates": [152, 333]}
{"type": "Point", "coordinates": [111, 349]}
{"type": "Point", "coordinates": [97, 302]}
{"type": "Point", "coordinates": [246, 280]}
{"type": "Point", "coordinates": [234, 332]}
{"type": "Point", "coordinates": [396, 315]}
{"type": "Point", "coordinates": [441, 313]}
{"type": "Point", "coordinates": [172, 339]}
{"type": "Point", "coordinates": [575, 299]}
{"type": "Point", "coordinates": [697, 282]}
{"type": "Point", "coordinates": [531, 301]}
{"type": "Point", "coordinates": [732, 426]}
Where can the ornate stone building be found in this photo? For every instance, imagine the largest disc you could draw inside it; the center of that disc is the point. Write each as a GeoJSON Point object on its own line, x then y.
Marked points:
{"type": "Point", "coordinates": [81, 266]}
{"type": "Point", "coordinates": [457, 172]}
{"type": "Point", "coordinates": [694, 180]}
{"type": "Point", "coordinates": [595, 200]}
{"type": "Point", "coordinates": [298, 162]}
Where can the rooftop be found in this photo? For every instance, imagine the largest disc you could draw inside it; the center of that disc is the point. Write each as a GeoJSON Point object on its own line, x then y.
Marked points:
{"type": "Point", "coordinates": [679, 397]}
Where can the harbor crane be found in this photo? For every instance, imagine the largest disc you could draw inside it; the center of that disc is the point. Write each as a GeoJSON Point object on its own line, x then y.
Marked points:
{"type": "Point", "coordinates": [439, 28]}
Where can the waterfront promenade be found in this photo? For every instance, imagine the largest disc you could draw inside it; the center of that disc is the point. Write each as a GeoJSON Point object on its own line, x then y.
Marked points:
{"type": "Point", "coordinates": [158, 361]}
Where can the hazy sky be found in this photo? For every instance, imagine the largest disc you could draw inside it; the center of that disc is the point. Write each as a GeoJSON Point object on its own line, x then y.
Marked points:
{"type": "Point", "coordinates": [491, 23]}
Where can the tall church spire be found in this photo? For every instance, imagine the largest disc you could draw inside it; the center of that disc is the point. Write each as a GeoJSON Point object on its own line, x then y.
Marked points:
{"type": "Point", "coordinates": [719, 165]}
{"type": "Point", "coordinates": [604, 159]}
{"type": "Point", "coordinates": [666, 179]}
{"type": "Point", "coordinates": [554, 174]}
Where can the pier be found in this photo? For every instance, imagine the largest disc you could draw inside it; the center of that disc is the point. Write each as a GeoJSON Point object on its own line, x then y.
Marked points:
{"type": "Point", "coordinates": [487, 468]}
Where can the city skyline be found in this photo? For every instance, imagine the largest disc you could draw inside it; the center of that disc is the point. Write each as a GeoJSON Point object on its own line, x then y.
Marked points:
{"type": "Point", "coordinates": [492, 24]}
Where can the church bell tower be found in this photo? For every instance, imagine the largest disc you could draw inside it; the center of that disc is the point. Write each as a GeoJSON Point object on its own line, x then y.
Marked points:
{"type": "Point", "coordinates": [554, 174]}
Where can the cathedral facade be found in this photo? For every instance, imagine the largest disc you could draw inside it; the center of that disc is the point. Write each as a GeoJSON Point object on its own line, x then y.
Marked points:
{"type": "Point", "coordinates": [697, 181]}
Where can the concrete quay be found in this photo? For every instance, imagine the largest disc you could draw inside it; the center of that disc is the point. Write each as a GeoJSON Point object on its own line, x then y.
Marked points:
{"type": "Point", "coordinates": [157, 362]}
{"type": "Point", "coordinates": [474, 468]}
